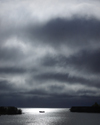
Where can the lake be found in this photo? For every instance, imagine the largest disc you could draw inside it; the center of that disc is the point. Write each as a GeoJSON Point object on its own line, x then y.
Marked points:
{"type": "Point", "coordinates": [52, 116]}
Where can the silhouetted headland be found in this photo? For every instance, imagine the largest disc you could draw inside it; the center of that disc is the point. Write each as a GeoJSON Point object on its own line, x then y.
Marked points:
{"type": "Point", "coordinates": [10, 110]}
{"type": "Point", "coordinates": [88, 109]}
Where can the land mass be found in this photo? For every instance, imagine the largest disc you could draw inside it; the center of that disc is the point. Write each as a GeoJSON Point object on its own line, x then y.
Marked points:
{"type": "Point", "coordinates": [11, 110]}
{"type": "Point", "coordinates": [88, 109]}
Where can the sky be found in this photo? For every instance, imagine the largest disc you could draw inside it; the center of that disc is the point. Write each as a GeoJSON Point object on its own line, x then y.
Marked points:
{"type": "Point", "coordinates": [49, 53]}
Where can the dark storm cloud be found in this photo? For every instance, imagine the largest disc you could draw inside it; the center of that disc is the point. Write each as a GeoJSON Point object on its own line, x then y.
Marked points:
{"type": "Point", "coordinates": [68, 79]}
{"type": "Point", "coordinates": [47, 101]}
{"type": "Point", "coordinates": [50, 60]}
{"type": "Point", "coordinates": [89, 60]}
{"type": "Point", "coordinates": [11, 54]}
{"type": "Point", "coordinates": [85, 60]}
{"type": "Point", "coordinates": [72, 32]}
{"type": "Point", "coordinates": [4, 85]}
{"type": "Point", "coordinates": [6, 89]}
{"type": "Point", "coordinates": [46, 94]}
{"type": "Point", "coordinates": [75, 31]}
{"type": "Point", "coordinates": [53, 91]}
{"type": "Point", "coordinates": [12, 70]}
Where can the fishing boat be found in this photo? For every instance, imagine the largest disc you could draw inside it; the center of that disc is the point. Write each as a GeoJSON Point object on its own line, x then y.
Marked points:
{"type": "Point", "coordinates": [41, 111]}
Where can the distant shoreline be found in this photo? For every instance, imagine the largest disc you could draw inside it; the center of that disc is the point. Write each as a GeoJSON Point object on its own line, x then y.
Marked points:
{"type": "Point", "coordinates": [85, 109]}
{"type": "Point", "coordinates": [10, 110]}
{"type": "Point", "coordinates": [88, 109]}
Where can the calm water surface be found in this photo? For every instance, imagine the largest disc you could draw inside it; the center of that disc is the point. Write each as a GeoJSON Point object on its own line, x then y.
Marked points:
{"type": "Point", "coordinates": [51, 116]}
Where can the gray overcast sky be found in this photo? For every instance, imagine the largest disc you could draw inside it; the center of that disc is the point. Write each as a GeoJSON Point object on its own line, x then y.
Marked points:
{"type": "Point", "coordinates": [49, 52]}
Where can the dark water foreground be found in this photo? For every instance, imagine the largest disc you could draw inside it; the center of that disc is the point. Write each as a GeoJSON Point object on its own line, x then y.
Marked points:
{"type": "Point", "coordinates": [10, 110]}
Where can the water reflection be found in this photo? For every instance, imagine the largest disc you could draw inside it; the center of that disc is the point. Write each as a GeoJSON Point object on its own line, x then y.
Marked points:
{"type": "Point", "coordinates": [47, 110]}
{"type": "Point", "coordinates": [53, 116]}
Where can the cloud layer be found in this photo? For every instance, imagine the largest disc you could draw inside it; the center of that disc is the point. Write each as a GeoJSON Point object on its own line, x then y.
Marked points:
{"type": "Point", "coordinates": [49, 53]}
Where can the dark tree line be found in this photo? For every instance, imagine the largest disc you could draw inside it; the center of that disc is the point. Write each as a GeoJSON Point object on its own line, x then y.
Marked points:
{"type": "Point", "coordinates": [10, 110]}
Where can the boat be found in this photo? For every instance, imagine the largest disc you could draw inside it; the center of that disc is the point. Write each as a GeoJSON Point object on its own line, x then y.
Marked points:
{"type": "Point", "coordinates": [41, 111]}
